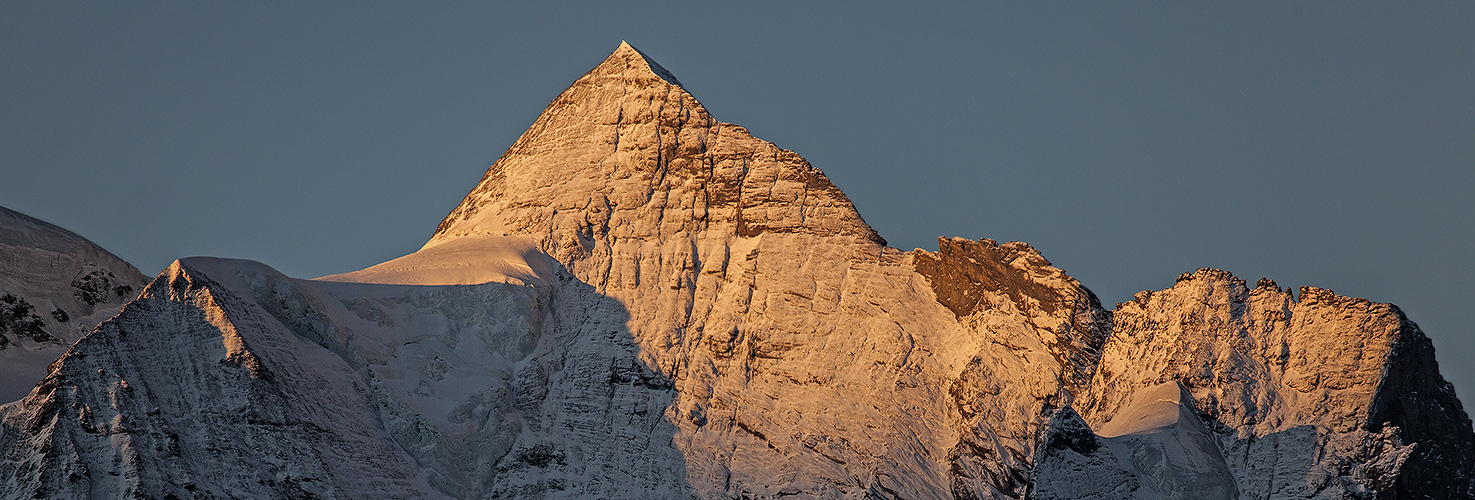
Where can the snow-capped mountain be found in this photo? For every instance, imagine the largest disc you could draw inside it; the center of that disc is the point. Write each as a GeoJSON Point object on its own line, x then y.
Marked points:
{"type": "Point", "coordinates": [639, 301]}
{"type": "Point", "coordinates": [55, 287]}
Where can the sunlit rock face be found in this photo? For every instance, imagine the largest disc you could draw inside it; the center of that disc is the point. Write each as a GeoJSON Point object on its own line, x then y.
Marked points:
{"type": "Point", "coordinates": [55, 286]}
{"type": "Point", "coordinates": [1035, 337]}
{"type": "Point", "coordinates": [1316, 394]}
{"type": "Point", "coordinates": [805, 356]}
{"type": "Point", "coordinates": [1309, 395]}
{"type": "Point", "coordinates": [639, 301]}
{"type": "Point", "coordinates": [625, 154]}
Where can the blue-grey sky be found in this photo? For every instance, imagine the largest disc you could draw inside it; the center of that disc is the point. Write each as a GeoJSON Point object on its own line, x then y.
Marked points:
{"type": "Point", "coordinates": [1317, 143]}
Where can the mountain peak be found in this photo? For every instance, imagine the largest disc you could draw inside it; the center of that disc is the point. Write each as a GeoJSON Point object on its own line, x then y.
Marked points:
{"type": "Point", "coordinates": [639, 301]}
{"type": "Point", "coordinates": [627, 56]}
{"type": "Point", "coordinates": [626, 154]}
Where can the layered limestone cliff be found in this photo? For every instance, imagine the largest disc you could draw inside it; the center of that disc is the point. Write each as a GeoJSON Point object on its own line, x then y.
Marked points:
{"type": "Point", "coordinates": [1317, 394]}
{"type": "Point", "coordinates": [1309, 395]}
{"type": "Point", "coordinates": [55, 286]}
{"type": "Point", "coordinates": [806, 356]}
{"type": "Point", "coordinates": [639, 301]}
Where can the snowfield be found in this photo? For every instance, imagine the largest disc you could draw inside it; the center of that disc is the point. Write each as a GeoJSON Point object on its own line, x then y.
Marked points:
{"type": "Point", "coordinates": [55, 287]}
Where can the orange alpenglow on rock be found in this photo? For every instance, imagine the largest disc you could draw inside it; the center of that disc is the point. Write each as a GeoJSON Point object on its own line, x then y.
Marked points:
{"type": "Point", "coordinates": [639, 301]}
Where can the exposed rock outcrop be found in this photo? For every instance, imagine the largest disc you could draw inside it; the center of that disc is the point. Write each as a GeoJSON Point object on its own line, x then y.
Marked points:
{"type": "Point", "coordinates": [639, 301]}
{"type": "Point", "coordinates": [1316, 395]}
{"type": "Point", "coordinates": [1037, 336]}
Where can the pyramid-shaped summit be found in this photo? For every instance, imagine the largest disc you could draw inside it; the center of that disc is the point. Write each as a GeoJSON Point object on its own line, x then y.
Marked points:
{"type": "Point", "coordinates": [720, 323]}
{"type": "Point", "coordinates": [624, 51]}
{"type": "Point", "coordinates": [626, 153]}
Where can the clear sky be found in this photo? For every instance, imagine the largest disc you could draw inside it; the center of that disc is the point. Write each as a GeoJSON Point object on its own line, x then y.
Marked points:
{"type": "Point", "coordinates": [1317, 143]}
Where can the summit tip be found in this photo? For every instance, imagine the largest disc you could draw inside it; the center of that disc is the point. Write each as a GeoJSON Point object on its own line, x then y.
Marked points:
{"type": "Point", "coordinates": [629, 51]}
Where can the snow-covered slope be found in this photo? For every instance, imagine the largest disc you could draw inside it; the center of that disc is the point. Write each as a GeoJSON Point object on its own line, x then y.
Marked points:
{"type": "Point", "coordinates": [466, 261]}
{"type": "Point", "coordinates": [227, 379]}
{"type": "Point", "coordinates": [55, 287]}
{"type": "Point", "coordinates": [639, 301]}
{"type": "Point", "coordinates": [1155, 448]}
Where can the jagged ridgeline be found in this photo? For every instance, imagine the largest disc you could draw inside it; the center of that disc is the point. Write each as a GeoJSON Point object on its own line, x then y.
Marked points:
{"type": "Point", "coordinates": [640, 301]}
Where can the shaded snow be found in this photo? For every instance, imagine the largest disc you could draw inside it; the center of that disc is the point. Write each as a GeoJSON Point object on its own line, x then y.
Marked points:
{"type": "Point", "coordinates": [69, 285]}
{"type": "Point", "coordinates": [1155, 448]}
{"type": "Point", "coordinates": [1160, 438]}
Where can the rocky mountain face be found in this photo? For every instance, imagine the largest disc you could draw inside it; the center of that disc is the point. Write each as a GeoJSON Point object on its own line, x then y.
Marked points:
{"type": "Point", "coordinates": [55, 287]}
{"type": "Point", "coordinates": [1035, 336]}
{"type": "Point", "coordinates": [1315, 395]}
{"type": "Point", "coordinates": [639, 301]}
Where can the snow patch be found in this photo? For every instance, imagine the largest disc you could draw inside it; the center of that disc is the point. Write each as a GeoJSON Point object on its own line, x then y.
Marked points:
{"type": "Point", "coordinates": [1155, 409]}
{"type": "Point", "coordinates": [470, 260]}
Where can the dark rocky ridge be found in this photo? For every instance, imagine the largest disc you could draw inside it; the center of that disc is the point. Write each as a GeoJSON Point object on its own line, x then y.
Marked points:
{"type": "Point", "coordinates": [1416, 399]}
{"type": "Point", "coordinates": [966, 274]}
